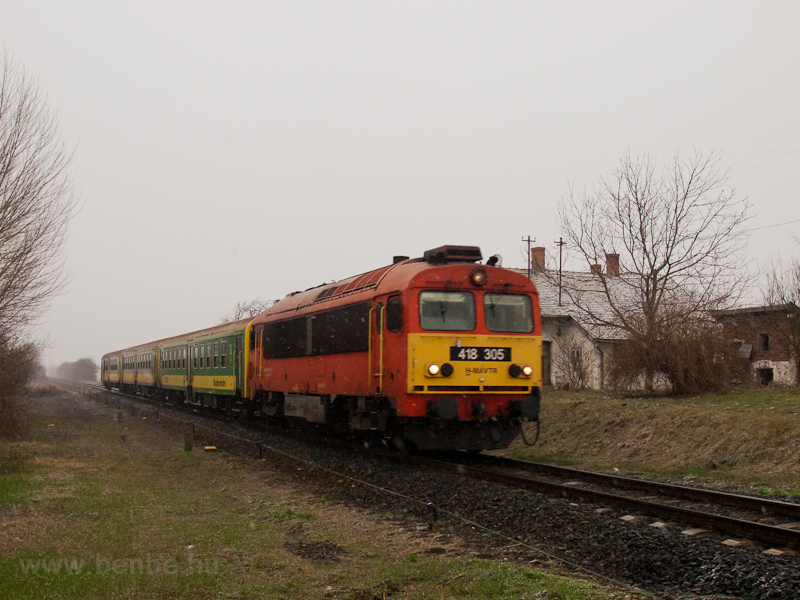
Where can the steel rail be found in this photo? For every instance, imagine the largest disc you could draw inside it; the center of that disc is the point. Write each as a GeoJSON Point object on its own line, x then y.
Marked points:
{"type": "Point", "coordinates": [765, 506]}
{"type": "Point", "coordinates": [771, 534]}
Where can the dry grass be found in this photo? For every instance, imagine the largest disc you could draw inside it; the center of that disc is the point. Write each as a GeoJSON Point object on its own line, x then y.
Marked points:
{"type": "Point", "coordinates": [746, 438]}
{"type": "Point", "coordinates": [122, 512]}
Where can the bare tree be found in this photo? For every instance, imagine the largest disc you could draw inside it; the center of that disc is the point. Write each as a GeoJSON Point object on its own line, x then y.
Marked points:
{"type": "Point", "coordinates": [19, 364]}
{"type": "Point", "coordinates": [245, 310]}
{"type": "Point", "coordinates": [36, 200]}
{"type": "Point", "coordinates": [572, 357]}
{"type": "Point", "coordinates": [36, 203]}
{"type": "Point", "coordinates": [680, 238]}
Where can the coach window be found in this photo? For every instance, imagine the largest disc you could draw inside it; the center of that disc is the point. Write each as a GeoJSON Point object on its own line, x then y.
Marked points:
{"type": "Point", "coordinates": [216, 353]}
{"type": "Point", "coordinates": [183, 353]}
{"type": "Point", "coordinates": [202, 357]}
{"type": "Point", "coordinates": [208, 356]}
{"type": "Point", "coordinates": [447, 311]}
{"type": "Point", "coordinates": [223, 355]}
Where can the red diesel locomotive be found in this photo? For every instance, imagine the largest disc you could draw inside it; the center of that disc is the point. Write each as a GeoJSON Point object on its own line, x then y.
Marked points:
{"type": "Point", "coordinates": [433, 353]}
{"type": "Point", "coordinates": [438, 352]}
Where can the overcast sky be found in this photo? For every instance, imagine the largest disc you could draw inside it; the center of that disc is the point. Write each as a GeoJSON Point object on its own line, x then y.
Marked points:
{"type": "Point", "coordinates": [234, 150]}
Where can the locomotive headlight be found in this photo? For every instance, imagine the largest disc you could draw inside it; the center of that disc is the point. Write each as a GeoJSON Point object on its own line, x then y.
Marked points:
{"type": "Point", "coordinates": [517, 371]}
{"type": "Point", "coordinates": [478, 277]}
{"type": "Point", "coordinates": [445, 370]}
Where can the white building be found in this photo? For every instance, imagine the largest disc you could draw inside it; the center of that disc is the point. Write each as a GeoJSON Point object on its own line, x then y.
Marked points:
{"type": "Point", "coordinates": [574, 347]}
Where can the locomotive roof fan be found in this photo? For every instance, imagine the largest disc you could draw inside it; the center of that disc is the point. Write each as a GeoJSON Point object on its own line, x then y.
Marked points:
{"type": "Point", "coordinates": [452, 254]}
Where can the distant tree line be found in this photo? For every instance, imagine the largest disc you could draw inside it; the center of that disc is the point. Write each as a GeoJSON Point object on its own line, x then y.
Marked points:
{"type": "Point", "coordinates": [83, 369]}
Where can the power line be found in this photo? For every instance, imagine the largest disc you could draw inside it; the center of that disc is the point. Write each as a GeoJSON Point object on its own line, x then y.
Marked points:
{"type": "Point", "coordinates": [764, 163]}
{"type": "Point", "coordinates": [775, 225]}
{"type": "Point", "coordinates": [767, 152]}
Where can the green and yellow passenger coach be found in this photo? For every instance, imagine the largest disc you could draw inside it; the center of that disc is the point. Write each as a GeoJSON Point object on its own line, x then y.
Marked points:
{"type": "Point", "coordinates": [206, 367]}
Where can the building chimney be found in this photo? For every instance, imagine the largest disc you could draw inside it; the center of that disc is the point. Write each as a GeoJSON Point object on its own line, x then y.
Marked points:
{"type": "Point", "coordinates": [596, 269]}
{"type": "Point", "coordinates": [537, 258]}
{"type": "Point", "coordinates": [612, 264]}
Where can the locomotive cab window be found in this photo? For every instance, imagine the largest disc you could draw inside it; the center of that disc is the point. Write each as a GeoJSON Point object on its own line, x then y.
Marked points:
{"type": "Point", "coordinates": [510, 313]}
{"type": "Point", "coordinates": [447, 311]}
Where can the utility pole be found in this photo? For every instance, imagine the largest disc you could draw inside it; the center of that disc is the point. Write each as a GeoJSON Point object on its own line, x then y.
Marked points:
{"type": "Point", "coordinates": [530, 241]}
{"type": "Point", "coordinates": [560, 243]}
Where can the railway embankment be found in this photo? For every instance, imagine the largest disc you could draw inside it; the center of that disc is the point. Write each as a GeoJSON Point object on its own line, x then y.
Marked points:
{"type": "Point", "coordinates": [745, 440]}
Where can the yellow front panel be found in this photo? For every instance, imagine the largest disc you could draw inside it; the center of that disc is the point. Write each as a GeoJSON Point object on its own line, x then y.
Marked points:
{"type": "Point", "coordinates": [471, 372]}
{"type": "Point", "coordinates": [220, 382]}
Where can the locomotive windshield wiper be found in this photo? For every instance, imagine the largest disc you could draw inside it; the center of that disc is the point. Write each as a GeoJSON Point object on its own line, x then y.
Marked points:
{"type": "Point", "coordinates": [492, 305]}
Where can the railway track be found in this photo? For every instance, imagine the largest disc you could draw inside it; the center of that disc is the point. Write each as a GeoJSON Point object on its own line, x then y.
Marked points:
{"type": "Point", "coordinates": [763, 520]}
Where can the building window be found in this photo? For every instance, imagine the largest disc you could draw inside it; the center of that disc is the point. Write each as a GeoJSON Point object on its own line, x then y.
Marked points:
{"type": "Point", "coordinates": [763, 342]}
